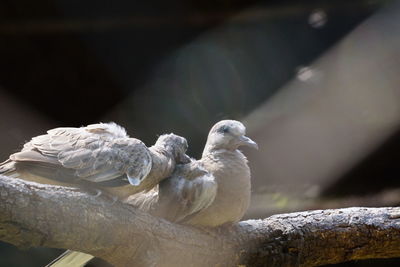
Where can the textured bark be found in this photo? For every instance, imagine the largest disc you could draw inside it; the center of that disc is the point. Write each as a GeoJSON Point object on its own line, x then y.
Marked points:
{"type": "Point", "coordinates": [33, 215]}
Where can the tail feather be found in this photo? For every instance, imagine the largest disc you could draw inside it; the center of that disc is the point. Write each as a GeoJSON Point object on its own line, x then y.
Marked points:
{"type": "Point", "coordinates": [71, 259]}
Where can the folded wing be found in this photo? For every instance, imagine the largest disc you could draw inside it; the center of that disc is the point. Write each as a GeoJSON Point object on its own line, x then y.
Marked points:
{"type": "Point", "coordinates": [190, 190]}
{"type": "Point", "coordinates": [96, 153]}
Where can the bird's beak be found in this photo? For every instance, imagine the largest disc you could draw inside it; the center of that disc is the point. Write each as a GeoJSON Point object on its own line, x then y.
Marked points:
{"type": "Point", "coordinates": [245, 141]}
{"type": "Point", "coordinates": [183, 158]}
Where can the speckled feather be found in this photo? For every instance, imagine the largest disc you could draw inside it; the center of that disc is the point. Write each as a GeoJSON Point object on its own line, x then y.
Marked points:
{"type": "Point", "coordinates": [208, 192]}
{"type": "Point", "coordinates": [190, 189]}
{"type": "Point", "coordinates": [96, 153]}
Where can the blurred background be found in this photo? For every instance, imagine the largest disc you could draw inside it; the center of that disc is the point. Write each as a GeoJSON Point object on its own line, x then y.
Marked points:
{"type": "Point", "coordinates": [316, 83]}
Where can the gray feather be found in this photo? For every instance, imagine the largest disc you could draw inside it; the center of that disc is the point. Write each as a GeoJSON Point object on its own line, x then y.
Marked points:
{"type": "Point", "coordinates": [189, 190]}
{"type": "Point", "coordinates": [97, 152]}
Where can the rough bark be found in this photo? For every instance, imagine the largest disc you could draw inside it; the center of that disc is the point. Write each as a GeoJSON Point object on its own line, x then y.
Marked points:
{"type": "Point", "coordinates": [269, 203]}
{"type": "Point", "coordinates": [33, 215]}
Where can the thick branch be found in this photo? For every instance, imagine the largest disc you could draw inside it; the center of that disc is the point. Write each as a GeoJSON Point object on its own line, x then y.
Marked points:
{"type": "Point", "coordinates": [52, 216]}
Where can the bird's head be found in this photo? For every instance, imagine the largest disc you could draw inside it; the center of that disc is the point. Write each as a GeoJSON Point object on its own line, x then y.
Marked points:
{"type": "Point", "coordinates": [228, 135]}
{"type": "Point", "coordinates": [176, 145]}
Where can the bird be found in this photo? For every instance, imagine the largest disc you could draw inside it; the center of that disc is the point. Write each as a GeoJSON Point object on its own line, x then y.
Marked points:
{"type": "Point", "coordinates": [99, 156]}
{"type": "Point", "coordinates": [209, 192]}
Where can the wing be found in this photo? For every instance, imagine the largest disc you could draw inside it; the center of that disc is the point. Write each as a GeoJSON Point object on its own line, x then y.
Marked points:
{"type": "Point", "coordinates": [145, 201]}
{"type": "Point", "coordinates": [96, 153]}
{"type": "Point", "coordinates": [190, 190]}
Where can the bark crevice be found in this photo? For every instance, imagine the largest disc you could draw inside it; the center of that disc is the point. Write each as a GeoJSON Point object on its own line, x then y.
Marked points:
{"type": "Point", "coordinates": [33, 215]}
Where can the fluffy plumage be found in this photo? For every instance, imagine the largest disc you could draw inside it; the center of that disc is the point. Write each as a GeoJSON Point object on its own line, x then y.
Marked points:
{"type": "Point", "coordinates": [190, 189]}
{"type": "Point", "coordinates": [212, 191]}
{"type": "Point", "coordinates": [97, 153]}
{"type": "Point", "coordinates": [209, 192]}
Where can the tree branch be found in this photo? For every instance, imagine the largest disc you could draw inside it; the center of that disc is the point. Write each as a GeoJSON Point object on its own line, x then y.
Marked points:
{"type": "Point", "coordinates": [33, 215]}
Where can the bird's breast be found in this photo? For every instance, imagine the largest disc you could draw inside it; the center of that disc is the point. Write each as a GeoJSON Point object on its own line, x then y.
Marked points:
{"type": "Point", "coordinates": [232, 175]}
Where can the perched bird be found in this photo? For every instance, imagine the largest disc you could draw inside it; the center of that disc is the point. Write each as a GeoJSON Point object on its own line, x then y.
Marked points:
{"type": "Point", "coordinates": [209, 192]}
{"type": "Point", "coordinates": [101, 156]}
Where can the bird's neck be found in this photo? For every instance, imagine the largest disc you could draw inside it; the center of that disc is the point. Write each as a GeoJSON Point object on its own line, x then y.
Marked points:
{"type": "Point", "coordinates": [163, 162]}
{"type": "Point", "coordinates": [225, 155]}
{"type": "Point", "coordinates": [164, 149]}
{"type": "Point", "coordinates": [162, 157]}
{"type": "Point", "coordinates": [211, 149]}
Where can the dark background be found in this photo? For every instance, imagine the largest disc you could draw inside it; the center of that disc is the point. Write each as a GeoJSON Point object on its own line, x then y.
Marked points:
{"type": "Point", "coordinates": [162, 66]}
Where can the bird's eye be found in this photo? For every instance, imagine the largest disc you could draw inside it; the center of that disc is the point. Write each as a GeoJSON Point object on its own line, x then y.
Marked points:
{"type": "Point", "coordinates": [224, 129]}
